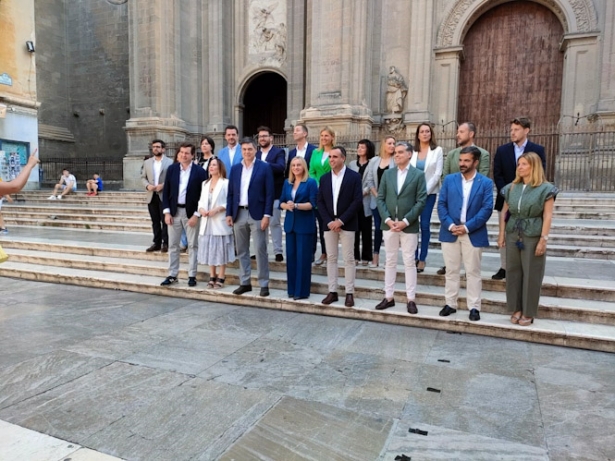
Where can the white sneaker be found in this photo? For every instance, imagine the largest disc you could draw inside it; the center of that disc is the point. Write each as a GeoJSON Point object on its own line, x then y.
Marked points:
{"type": "Point", "coordinates": [51, 197]}
{"type": "Point", "coordinates": [59, 197]}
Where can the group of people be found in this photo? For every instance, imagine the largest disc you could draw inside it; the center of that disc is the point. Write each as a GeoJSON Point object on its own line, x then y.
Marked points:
{"type": "Point", "coordinates": [227, 202]}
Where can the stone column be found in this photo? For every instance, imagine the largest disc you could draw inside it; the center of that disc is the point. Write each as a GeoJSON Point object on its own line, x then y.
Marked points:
{"type": "Point", "coordinates": [420, 77]}
{"type": "Point", "coordinates": [581, 74]}
{"type": "Point", "coordinates": [154, 27]}
{"type": "Point", "coordinates": [446, 83]}
{"type": "Point", "coordinates": [340, 66]}
{"type": "Point", "coordinates": [606, 104]}
{"type": "Point", "coordinates": [217, 54]}
{"type": "Point", "coordinates": [296, 50]}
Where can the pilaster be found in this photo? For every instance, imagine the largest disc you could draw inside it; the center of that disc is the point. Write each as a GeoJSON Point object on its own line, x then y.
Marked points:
{"type": "Point", "coordinates": [606, 104]}
{"type": "Point", "coordinates": [446, 83]}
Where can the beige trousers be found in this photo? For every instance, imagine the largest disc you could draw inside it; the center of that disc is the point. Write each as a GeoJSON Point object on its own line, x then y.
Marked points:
{"type": "Point", "coordinates": [332, 241]}
{"type": "Point", "coordinates": [454, 254]}
{"type": "Point", "coordinates": [393, 241]}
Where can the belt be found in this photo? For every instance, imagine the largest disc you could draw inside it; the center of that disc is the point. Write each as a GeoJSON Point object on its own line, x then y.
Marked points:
{"type": "Point", "coordinates": [181, 205]}
{"type": "Point", "coordinates": [243, 207]}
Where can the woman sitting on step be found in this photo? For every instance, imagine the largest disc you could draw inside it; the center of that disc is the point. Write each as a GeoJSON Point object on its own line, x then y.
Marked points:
{"type": "Point", "coordinates": [529, 203]}
{"type": "Point", "coordinates": [216, 248]}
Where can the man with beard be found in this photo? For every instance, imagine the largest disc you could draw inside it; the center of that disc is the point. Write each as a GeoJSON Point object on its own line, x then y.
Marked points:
{"type": "Point", "coordinates": [465, 205]}
{"type": "Point", "coordinates": [465, 137]}
{"type": "Point", "coordinates": [275, 157]}
{"type": "Point", "coordinates": [153, 175]}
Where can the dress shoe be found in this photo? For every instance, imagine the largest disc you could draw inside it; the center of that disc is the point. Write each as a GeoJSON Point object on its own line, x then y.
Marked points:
{"type": "Point", "coordinates": [191, 281]}
{"type": "Point", "coordinates": [412, 309]}
{"type": "Point", "coordinates": [385, 304]}
{"type": "Point", "coordinates": [264, 291]}
{"type": "Point", "coordinates": [169, 281]}
{"type": "Point", "coordinates": [279, 258]}
{"type": "Point", "coordinates": [183, 249]}
{"type": "Point", "coordinates": [441, 271]}
{"type": "Point", "coordinates": [242, 289]}
{"type": "Point", "coordinates": [499, 275]}
{"type": "Point", "coordinates": [330, 298]}
{"type": "Point", "coordinates": [349, 300]}
{"type": "Point", "coordinates": [447, 310]}
{"type": "Point", "coordinates": [164, 248]}
{"type": "Point", "coordinates": [475, 315]}
{"type": "Point", "coordinates": [153, 248]}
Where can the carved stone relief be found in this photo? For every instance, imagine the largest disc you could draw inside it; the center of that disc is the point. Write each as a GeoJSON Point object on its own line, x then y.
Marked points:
{"type": "Point", "coordinates": [583, 11]}
{"type": "Point", "coordinates": [267, 25]}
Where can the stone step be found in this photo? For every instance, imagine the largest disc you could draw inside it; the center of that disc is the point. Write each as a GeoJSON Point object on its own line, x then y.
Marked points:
{"type": "Point", "coordinates": [144, 226]}
{"type": "Point", "coordinates": [545, 331]}
{"type": "Point", "coordinates": [62, 215]}
{"type": "Point", "coordinates": [553, 302]}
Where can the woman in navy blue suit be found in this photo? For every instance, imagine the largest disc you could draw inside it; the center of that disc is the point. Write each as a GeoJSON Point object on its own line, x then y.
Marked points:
{"type": "Point", "coordinates": [299, 199]}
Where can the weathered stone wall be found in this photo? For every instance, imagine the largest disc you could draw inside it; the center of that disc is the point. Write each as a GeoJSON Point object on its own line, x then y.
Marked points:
{"type": "Point", "coordinates": [83, 75]}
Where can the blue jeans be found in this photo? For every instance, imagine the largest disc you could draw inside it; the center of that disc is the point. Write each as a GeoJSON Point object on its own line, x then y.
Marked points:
{"type": "Point", "coordinates": [184, 239]}
{"type": "Point", "coordinates": [377, 230]}
{"type": "Point", "coordinates": [425, 221]}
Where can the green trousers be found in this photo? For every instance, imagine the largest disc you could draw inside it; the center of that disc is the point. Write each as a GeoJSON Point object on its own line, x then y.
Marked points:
{"type": "Point", "coordinates": [524, 274]}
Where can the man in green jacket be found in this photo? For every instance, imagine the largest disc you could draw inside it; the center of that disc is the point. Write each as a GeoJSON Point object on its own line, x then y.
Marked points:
{"type": "Point", "coordinates": [401, 198]}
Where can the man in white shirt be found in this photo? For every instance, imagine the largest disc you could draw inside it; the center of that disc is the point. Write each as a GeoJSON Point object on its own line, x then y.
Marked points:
{"type": "Point", "coordinates": [465, 205]}
{"type": "Point", "coordinates": [340, 195]}
{"type": "Point", "coordinates": [153, 175]}
{"type": "Point", "coordinates": [67, 184]}
{"type": "Point", "coordinates": [401, 198]}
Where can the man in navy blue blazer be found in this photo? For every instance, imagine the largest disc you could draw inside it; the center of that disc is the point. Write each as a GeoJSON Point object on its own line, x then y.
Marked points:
{"type": "Point", "coordinates": [505, 168]}
{"type": "Point", "coordinates": [340, 196]}
{"type": "Point", "coordinates": [465, 205]}
{"type": "Point", "coordinates": [180, 198]}
{"type": "Point", "coordinates": [249, 207]}
{"type": "Point", "coordinates": [303, 148]}
{"type": "Point", "coordinates": [275, 157]}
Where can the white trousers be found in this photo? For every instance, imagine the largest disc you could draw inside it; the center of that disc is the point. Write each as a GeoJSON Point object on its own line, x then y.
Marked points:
{"type": "Point", "coordinates": [332, 241]}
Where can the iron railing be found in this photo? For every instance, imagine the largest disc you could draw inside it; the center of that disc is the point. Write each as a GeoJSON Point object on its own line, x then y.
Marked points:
{"type": "Point", "coordinates": [82, 168]}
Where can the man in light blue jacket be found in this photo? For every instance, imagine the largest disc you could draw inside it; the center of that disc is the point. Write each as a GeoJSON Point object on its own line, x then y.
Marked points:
{"type": "Point", "coordinates": [464, 207]}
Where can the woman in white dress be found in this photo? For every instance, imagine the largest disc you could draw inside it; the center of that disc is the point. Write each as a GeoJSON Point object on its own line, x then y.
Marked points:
{"type": "Point", "coordinates": [216, 248]}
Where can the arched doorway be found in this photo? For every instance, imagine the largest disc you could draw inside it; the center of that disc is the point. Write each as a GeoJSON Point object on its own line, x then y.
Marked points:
{"type": "Point", "coordinates": [513, 66]}
{"type": "Point", "coordinates": [264, 103]}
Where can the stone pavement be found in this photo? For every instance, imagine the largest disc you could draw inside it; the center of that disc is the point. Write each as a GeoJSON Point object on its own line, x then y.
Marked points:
{"type": "Point", "coordinates": [142, 377]}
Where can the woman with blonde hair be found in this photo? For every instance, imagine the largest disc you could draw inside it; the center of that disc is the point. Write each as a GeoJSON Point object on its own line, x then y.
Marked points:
{"type": "Point", "coordinates": [319, 165]}
{"type": "Point", "coordinates": [299, 200]}
{"type": "Point", "coordinates": [216, 248]}
{"type": "Point", "coordinates": [375, 170]}
{"type": "Point", "coordinates": [528, 202]}
{"type": "Point", "coordinates": [428, 158]}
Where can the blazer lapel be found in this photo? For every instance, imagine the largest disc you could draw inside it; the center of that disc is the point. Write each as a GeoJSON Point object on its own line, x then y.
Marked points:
{"type": "Point", "coordinates": [216, 192]}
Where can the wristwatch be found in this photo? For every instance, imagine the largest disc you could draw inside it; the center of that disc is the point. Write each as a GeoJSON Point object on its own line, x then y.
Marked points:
{"type": "Point", "coordinates": [545, 237]}
{"type": "Point", "coordinates": [296, 206]}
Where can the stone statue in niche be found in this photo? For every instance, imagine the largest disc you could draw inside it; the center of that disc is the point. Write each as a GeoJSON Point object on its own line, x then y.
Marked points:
{"type": "Point", "coordinates": [396, 91]}
{"type": "Point", "coordinates": [268, 37]}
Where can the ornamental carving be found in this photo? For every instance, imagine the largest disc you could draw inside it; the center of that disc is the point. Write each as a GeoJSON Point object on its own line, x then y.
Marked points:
{"type": "Point", "coordinates": [267, 25]}
{"type": "Point", "coordinates": [582, 10]}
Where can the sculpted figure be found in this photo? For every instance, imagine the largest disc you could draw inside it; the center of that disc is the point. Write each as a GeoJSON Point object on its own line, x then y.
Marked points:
{"type": "Point", "coordinates": [396, 91]}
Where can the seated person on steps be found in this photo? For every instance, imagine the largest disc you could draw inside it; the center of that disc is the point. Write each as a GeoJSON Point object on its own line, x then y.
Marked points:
{"type": "Point", "coordinates": [67, 184]}
{"type": "Point", "coordinates": [94, 185]}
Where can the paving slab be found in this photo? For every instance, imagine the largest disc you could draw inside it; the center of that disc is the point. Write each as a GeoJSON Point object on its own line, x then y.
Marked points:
{"type": "Point", "coordinates": [299, 430]}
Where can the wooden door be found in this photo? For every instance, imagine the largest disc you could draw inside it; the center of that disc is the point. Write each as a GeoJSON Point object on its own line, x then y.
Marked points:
{"type": "Point", "coordinates": [513, 67]}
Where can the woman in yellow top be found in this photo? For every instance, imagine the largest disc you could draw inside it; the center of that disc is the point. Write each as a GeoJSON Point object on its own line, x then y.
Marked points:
{"type": "Point", "coordinates": [319, 165]}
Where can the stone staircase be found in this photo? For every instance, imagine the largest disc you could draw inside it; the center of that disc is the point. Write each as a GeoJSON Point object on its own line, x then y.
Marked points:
{"type": "Point", "coordinates": [99, 242]}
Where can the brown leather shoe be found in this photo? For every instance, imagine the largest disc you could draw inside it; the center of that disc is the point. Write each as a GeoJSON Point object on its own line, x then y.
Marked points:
{"type": "Point", "coordinates": [385, 304]}
{"type": "Point", "coordinates": [164, 248]}
{"type": "Point", "coordinates": [154, 247]}
{"type": "Point", "coordinates": [330, 298]}
{"type": "Point", "coordinates": [412, 309]}
{"type": "Point", "coordinates": [349, 300]}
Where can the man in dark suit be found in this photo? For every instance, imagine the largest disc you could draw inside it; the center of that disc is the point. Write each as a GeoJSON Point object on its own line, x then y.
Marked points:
{"type": "Point", "coordinates": [275, 157]}
{"type": "Point", "coordinates": [249, 208]}
{"type": "Point", "coordinates": [153, 175]}
{"type": "Point", "coordinates": [464, 207]}
{"type": "Point", "coordinates": [180, 198]}
{"type": "Point", "coordinates": [401, 198]}
{"type": "Point", "coordinates": [505, 168]}
{"type": "Point", "coordinates": [303, 148]}
{"type": "Point", "coordinates": [339, 197]}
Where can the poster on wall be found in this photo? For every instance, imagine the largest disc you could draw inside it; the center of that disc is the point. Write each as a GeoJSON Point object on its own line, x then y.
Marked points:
{"type": "Point", "coordinates": [15, 156]}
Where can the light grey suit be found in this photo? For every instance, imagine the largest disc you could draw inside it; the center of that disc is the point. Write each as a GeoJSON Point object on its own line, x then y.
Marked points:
{"type": "Point", "coordinates": [154, 199]}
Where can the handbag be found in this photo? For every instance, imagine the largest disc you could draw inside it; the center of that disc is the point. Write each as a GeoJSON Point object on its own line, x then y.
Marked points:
{"type": "Point", "coordinates": [3, 255]}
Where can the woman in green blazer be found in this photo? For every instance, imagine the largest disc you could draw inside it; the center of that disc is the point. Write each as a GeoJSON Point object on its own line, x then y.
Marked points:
{"type": "Point", "coordinates": [319, 165]}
